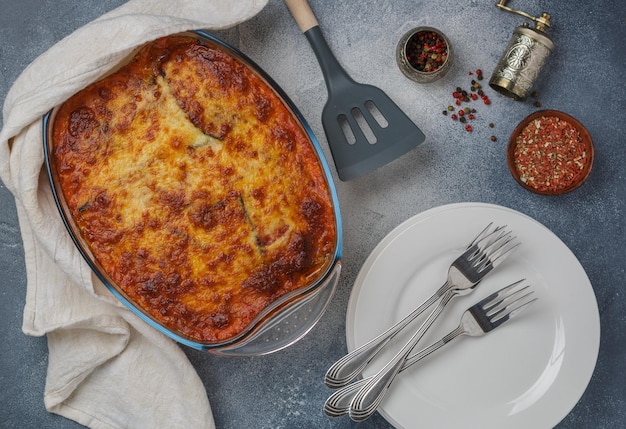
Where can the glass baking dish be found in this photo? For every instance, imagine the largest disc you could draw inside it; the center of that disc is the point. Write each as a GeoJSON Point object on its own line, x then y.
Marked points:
{"type": "Point", "coordinates": [284, 321]}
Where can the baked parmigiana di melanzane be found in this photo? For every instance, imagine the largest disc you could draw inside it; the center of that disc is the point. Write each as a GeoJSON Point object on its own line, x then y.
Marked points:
{"type": "Point", "coordinates": [195, 188]}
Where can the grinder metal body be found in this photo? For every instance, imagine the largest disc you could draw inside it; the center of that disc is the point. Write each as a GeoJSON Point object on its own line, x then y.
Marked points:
{"type": "Point", "coordinates": [523, 58]}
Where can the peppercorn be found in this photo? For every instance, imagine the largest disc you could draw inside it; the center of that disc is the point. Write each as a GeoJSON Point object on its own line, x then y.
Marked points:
{"type": "Point", "coordinates": [465, 114]}
{"type": "Point", "coordinates": [493, 138]}
{"type": "Point", "coordinates": [537, 103]}
{"type": "Point", "coordinates": [426, 51]}
{"type": "Point", "coordinates": [534, 94]}
{"type": "Point", "coordinates": [468, 128]}
{"type": "Point", "coordinates": [491, 125]}
{"type": "Point", "coordinates": [445, 113]}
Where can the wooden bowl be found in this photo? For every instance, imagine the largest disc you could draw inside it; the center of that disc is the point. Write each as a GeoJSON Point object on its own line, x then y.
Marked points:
{"type": "Point", "coordinates": [557, 159]}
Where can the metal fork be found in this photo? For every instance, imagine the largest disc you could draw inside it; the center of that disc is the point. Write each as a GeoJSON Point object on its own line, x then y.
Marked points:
{"type": "Point", "coordinates": [478, 320]}
{"type": "Point", "coordinates": [368, 398]}
{"type": "Point", "coordinates": [483, 254]}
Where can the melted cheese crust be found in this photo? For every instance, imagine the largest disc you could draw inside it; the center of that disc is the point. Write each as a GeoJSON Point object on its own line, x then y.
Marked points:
{"type": "Point", "coordinates": [194, 187]}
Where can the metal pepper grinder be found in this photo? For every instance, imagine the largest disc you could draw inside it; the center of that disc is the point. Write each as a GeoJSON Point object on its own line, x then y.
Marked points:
{"type": "Point", "coordinates": [524, 57]}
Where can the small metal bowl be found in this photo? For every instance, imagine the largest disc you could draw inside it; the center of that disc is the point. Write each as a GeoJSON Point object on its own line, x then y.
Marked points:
{"type": "Point", "coordinates": [415, 70]}
{"type": "Point", "coordinates": [527, 180]}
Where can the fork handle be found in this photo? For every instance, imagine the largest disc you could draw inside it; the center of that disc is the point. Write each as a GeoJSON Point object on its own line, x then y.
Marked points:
{"type": "Point", "coordinates": [349, 366]}
{"type": "Point", "coordinates": [339, 402]}
{"type": "Point", "coordinates": [369, 397]}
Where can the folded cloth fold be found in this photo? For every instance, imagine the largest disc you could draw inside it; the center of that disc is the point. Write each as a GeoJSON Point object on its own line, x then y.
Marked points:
{"type": "Point", "coordinates": [107, 368]}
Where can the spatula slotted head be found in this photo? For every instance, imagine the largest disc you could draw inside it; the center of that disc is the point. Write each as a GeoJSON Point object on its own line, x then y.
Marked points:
{"type": "Point", "coordinates": [366, 129]}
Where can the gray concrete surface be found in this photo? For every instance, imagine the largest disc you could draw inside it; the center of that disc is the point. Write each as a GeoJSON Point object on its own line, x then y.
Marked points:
{"type": "Point", "coordinates": [584, 77]}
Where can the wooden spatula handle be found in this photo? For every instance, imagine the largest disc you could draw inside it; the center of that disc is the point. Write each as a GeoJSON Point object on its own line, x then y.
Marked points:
{"type": "Point", "coordinates": [302, 13]}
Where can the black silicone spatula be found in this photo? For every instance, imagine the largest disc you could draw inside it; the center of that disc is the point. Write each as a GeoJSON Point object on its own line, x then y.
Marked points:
{"type": "Point", "coordinates": [364, 127]}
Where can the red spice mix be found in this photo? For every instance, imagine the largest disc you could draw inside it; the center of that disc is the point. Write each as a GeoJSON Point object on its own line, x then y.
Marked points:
{"type": "Point", "coordinates": [550, 154]}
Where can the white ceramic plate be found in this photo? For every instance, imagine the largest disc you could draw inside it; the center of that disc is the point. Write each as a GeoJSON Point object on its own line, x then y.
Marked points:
{"type": "Point", "coordinates": [529, 373]}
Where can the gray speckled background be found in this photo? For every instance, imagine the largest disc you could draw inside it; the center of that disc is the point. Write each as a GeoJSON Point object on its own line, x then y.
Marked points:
{"type": "Point", "coordinates": [584, 77]}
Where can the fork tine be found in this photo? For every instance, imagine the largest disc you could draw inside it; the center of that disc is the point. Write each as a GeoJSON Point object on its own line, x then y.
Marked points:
{"type": "Point", "coordinates": [504, 250]}
{"type": "Point", "coordinates": [476, 252]}
{"type": "Point", "coordinates": [496, 249]}
{"type": "Point", "coordinates": [492, 311]}
{"type": "Point", "coordinates": [513, 311]}
{"type": "Point", "coordinates": [495, 307]}
{"type": "Point", "coordinates": [492, 237]}
{"type": "Point", "coordinates": [504, 313]}
{"type": "Point", "coordinates": [498, 296]}
{"type": "Point", "coordinates": [506, 303]}
{"type": "Point", "coordinates": [485, 232]}
{"type": "Point", "coordinates": [494, 246]}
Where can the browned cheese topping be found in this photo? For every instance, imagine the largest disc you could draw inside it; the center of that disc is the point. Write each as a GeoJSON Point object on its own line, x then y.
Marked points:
{"type": "Point", "coordinates": [195, 188]}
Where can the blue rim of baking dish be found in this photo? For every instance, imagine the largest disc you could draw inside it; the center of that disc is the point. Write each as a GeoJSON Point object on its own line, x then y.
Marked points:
{"type": "Point", "coordinates": [283, 305]}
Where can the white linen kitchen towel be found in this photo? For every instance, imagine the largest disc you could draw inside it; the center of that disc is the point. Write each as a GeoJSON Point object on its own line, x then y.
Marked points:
{"type": "Point", "coordinates": [107, 368]}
